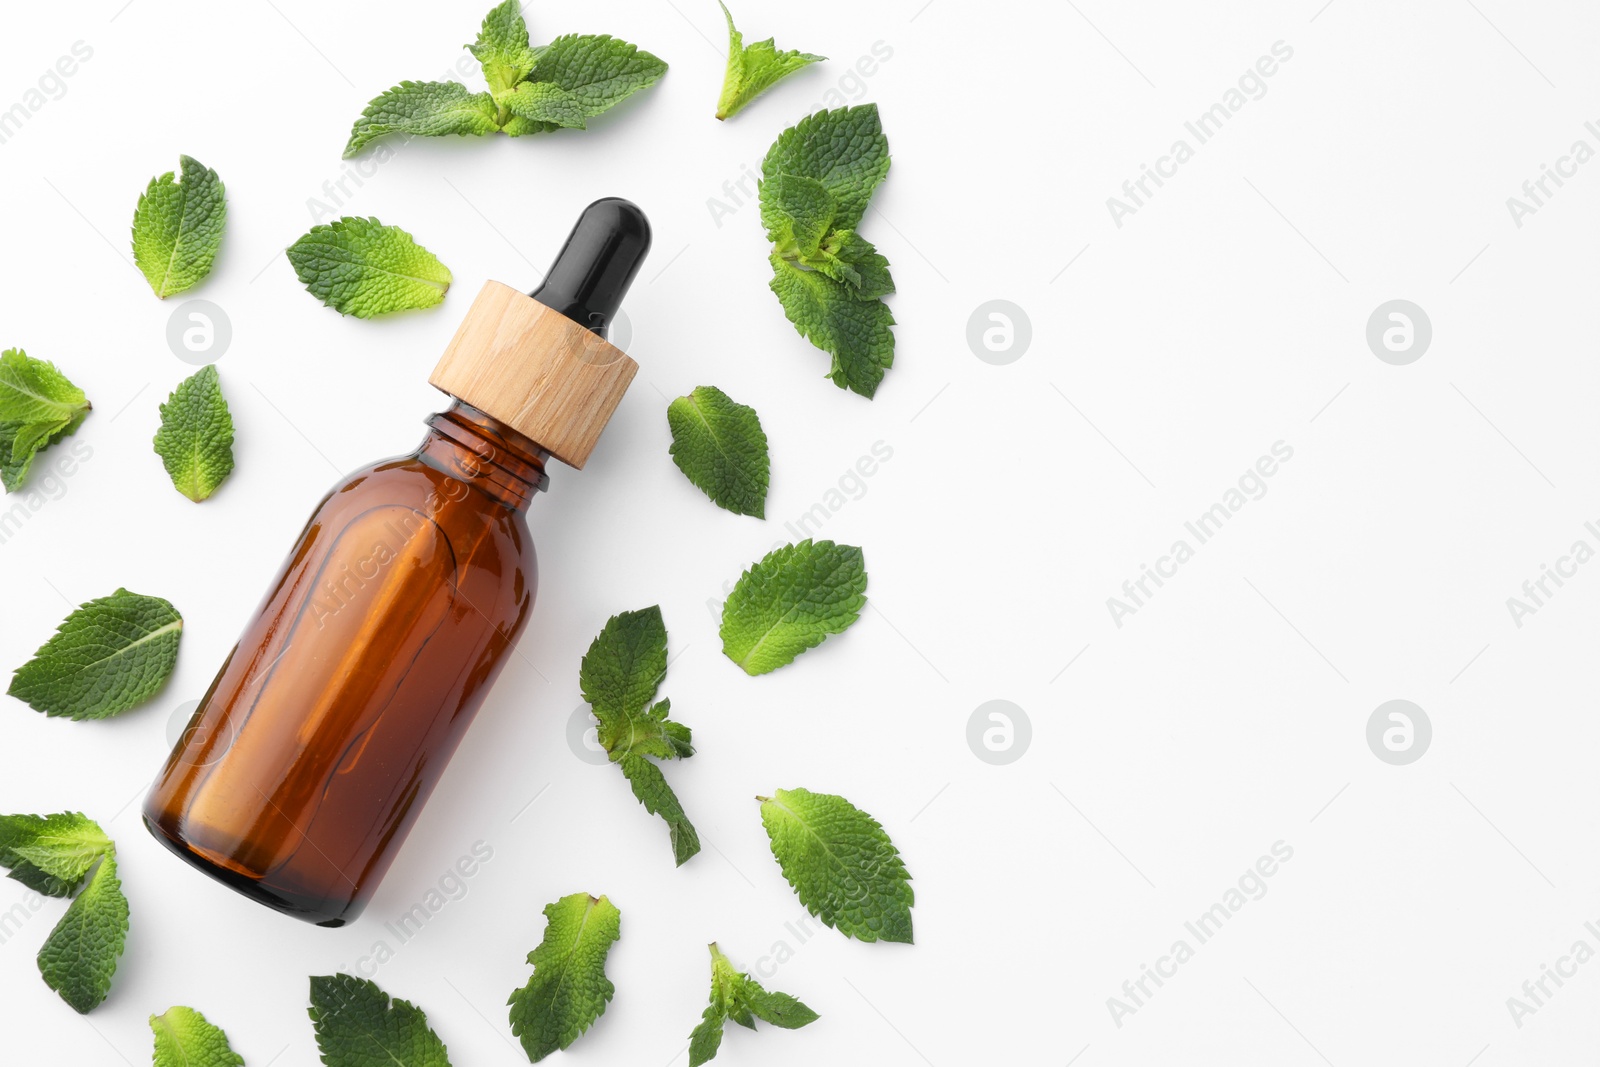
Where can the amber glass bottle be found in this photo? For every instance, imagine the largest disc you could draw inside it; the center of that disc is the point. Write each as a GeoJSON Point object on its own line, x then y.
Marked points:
{"type": "Point", "coordinates": [330, 723]}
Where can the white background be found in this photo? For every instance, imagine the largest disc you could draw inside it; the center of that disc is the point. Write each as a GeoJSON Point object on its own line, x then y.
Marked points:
{"type": "Point", "coordinates": [1227, 714]}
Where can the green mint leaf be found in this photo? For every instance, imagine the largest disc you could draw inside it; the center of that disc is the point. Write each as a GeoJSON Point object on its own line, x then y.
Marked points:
{"type": "Point", "coordinates": [185, 1039]}
{"type": "Point", "coordinates": [798, 213]}
{"type": "Point", "coordinates": [650, 787]}
{"type": "Point", "coordinates": [851, 260]}
{"type": "Point", "coordinates": [719, 446]}
{"type": "Point", "coordinates": [51, 853]}
{"type": "Point", "coordinates": [195, 441]}
{"type": "Point", "coordinates": [737, 996]}
{"type": "Point", "coordinates": [841, 864]}
{"type": "Point", "coordinates": [754, 69]}
{"type": "Point", "coordinates": [109, 655]}
{"type": "Point", "coordinates": [357, 1025]}
{"type": "Point", "coordinates": [423, 109]}
{"type": "Point", "coordinates": [832, 316]}
{"type": "Point", "coordinates": [79, 957]}
{"type": "Point", "coordinates": [502, 49]}
{"type": "Point", "coordinates": [34, 392]}
{"type": "Point", "coordinates": [15, 461]}
{"type": "Point", "coordinates": [845, 150]}
{"type": "Point", "coordinates": [177, 227]}
{"type": "Point", "coordinates": [363, 268]}
{"type": "Point", "coordinates": [544, 104]}
{"type": "Point", "coordinates": [619, 677]}
{"type": "Point", "coordinates": [569, 989]}
{"type": "Point", "coordinates": [790, 601]}
{"type": "Point", "coordinates": [600, 71]}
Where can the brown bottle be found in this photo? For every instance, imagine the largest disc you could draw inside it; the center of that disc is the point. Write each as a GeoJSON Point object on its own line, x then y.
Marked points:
{"type": "Point", "coordinates": [331, 721]}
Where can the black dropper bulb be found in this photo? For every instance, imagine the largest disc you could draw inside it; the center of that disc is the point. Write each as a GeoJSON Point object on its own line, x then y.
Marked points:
{"type": "Point", "coordinates": [593, 270]}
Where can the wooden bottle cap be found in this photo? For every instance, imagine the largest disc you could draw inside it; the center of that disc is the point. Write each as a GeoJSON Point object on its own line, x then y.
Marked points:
{"type": "Point", "coordinates": [537, 371]}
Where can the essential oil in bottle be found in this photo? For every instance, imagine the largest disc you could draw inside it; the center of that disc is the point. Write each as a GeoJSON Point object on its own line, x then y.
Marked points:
{"type": "Point", "coordinates": [329, 724]}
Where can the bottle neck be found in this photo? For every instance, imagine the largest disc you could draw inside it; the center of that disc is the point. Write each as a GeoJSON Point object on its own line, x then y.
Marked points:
{"type": "Point", "coordinates": [475, 448]}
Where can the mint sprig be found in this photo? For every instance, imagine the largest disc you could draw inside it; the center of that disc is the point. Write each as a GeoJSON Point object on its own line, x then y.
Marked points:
{"type": "Point", "coordinates": [38, 407]}
{"type": "Point", "coordinates": [51, 854]}
{"type": "Point", "coordinates": [791, 601]}
{"type": "Point", "coordinates": [753, 69]}
{"type": "Point", "coordinates": [363, 268]}
{"type": "Point", "coordinates": [818, 179]}
{"type": "Point", "coordinates": [737, 996]}
{"type": "Point", "coordinates": [531, 90]}
{"type": "Point", "coordinates": [569, 989]}
{"type": "Point", "coordinates": [719, 445]}
{"type": "Point", "coordinates": [177, 227]}
{"type": "Point", "coordinates": [109, 655]}
{"type": "Point", "coordinates": [619, 676]}
{"type": "Point", "coordinates": [195, 441]}
{"type": "Point", "coordinates": [841, 863]}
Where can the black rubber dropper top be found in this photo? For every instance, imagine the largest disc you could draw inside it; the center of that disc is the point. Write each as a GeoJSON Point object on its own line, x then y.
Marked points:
{"type": "Point", "coordinates": [593, 270]}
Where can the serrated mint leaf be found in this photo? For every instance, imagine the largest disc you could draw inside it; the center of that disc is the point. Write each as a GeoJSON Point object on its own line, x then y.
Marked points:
{"type": "Point", "coordinates": [841, 863]}
{"type": "Point", "coordinates": [791, 601]}
{"type": "Point", "coordinates": [35, 392]}
{"type": "Point", "coordinates": [855, 332]}
{"type": "Point", "coordinates": [109, 655]}
{"type": "Point", "coordinates": [719, 446]}
{"type": "Point", "coordinates": [38, 407]}
{"type": "Point", "coordinates": [195, 441]}
{"type": "Point", "coordinates": [599, 70]}
{"type": "Point", "coordinates": [545, 103]}
{"type": "Point", "coordinates": [754, 69]}
{"type": "Point", "coordinates": [798, 213]}
{"type": "Point", "coordinates": [177, 227]}
{"type": "Point", "coordinates": [357, 1025]}
{"type": "Point", "coordinates": [423, 109]}
{"type": "Point", "coordinates": [502, 48]}
{"type": "Point", "coordinates": [845, 150]}
{"type": "Point", "coordinates": [619, 677]}
{"type": "Point", "coordinates": [79, 957]}
{"type": "Point", "coordinates": [363, 268]}
{"type": "Point", "coordinates": [569, 989]}
{"type": "Point", "coordinates": [185, 1039]}
{"type": "Point", "coordinates": [737, 996]}
{"type": "Point", "coordinates": [51, 853]}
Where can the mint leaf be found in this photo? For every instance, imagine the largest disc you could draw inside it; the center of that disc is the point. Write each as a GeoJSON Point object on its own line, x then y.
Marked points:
{"type": "Point", "coordinates": [798, 213]}
{"type": "Point", "coordinates": [38, 407]}
{"type": "Point", "coordinates": [544, 104]}
{"type": "Point", "coordinates": [754, 69]}
{"type": "Point", "coordinates": [791, 601]}
{"type": "Point", "coordinates": [177, 227]}
{"type": "Point", "coordinates": [827, 313]}
{"type": "Point", "coordinates": [502, 48]}
{"type": "Point", "coordinates": [79, 957]}
{"type": "Point", "coordinates": [109, 655]}
{"type": "Point", "coordinates": [185, 1039]}
{"type": "Point", "coordinates": [363, 268]}
{"type": "Point", "coordinates": [841, 864]}
{"type": "Point", "coordinates": [357, 1025]}
{"type": "Point", "coordinates": [34, 392]}
{"type": "Point", "coordinates": [719, 446]}
{"type": "Point", "coordinates": [569, 989]}
{"type": "Point", "coordinates": [737, 996]}
{"type": "Point", "coordinates": [600, 70]}
{"type": "Point", "coordinates": [850, 259]}
{"type": "Point", "coordinates": [423, 109]}
{"type": "Point", "coordinates": [619, 677]}
{"type": "Point", "coordinates": [50, 854]}
{"type": "Point", "coordinates": [845, 150]}
{"type": "Point", "coordinates": [195, 441]}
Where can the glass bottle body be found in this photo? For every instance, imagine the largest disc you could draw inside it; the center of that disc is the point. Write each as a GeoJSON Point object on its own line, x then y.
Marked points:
{"type": "Point", "coordinates": [329, 724]}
